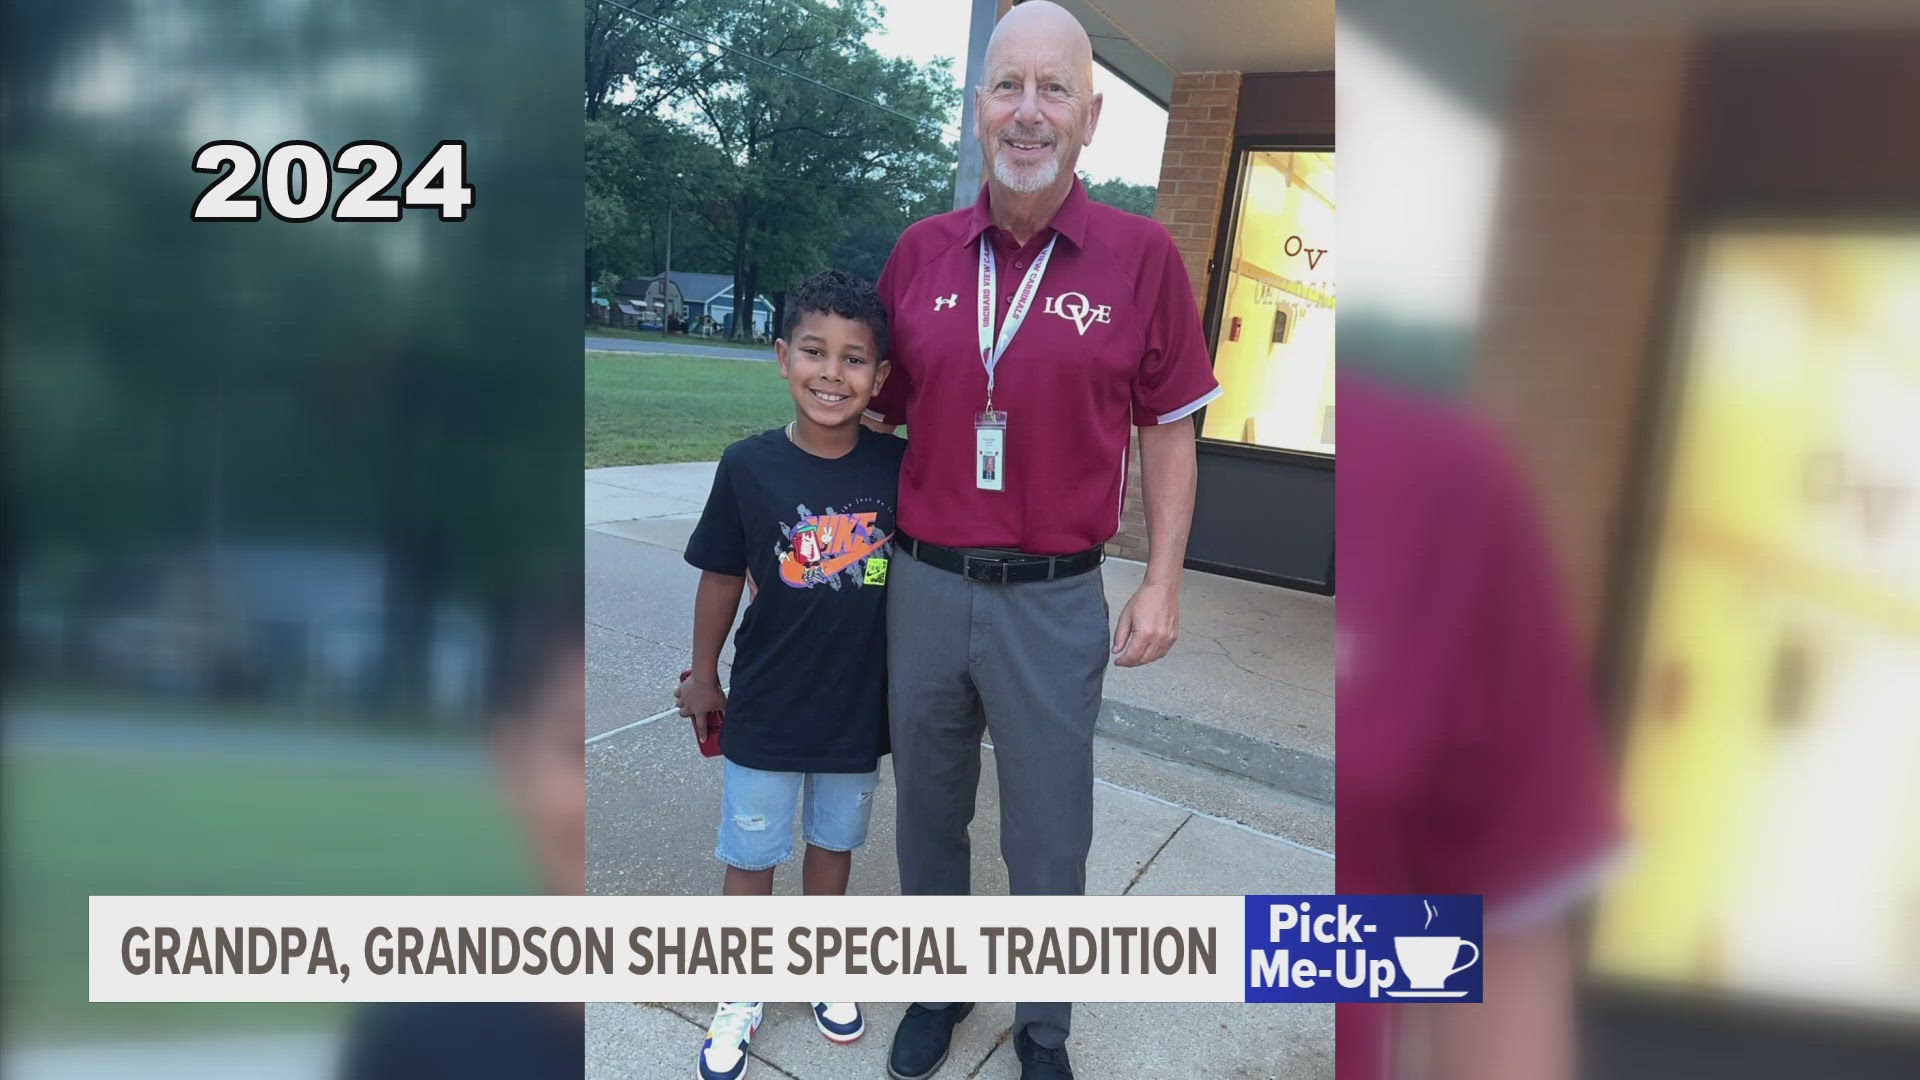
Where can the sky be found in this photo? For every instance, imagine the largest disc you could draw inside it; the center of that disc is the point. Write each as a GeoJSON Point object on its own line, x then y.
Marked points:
{"type": "Point", "coordinates": [1418, 181]}
{"type": "Point", "coordinates": [1132, 128]}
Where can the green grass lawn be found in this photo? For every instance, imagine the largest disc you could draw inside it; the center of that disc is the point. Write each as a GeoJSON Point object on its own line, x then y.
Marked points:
{"type": "Point", "coordinates": [679, 339]}
{"type": "Point", "coordinates": [131, 822]}
{"type": "Point", "coordinates": [644, 409]}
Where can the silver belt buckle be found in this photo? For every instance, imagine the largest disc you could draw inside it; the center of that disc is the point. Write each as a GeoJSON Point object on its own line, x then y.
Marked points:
{"type": "Point", "coordinates": [986, 574]}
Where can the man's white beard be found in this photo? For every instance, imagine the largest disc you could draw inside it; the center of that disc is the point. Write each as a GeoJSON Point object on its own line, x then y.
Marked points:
{"type": "Point", "coordinates": [1026, 181]}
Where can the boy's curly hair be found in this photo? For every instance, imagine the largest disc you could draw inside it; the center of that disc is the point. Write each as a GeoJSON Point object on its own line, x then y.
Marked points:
{"type": "Point", "coordinates": [837, 292]}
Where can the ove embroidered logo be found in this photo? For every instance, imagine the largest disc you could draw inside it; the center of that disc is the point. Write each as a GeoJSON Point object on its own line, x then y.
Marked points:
{"type": "Point", "coordinates": [1077, 309]}
{"type": "Point", "coordinates": [948, 300]}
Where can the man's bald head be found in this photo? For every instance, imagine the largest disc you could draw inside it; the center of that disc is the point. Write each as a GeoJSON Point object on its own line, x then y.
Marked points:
{"type": "Point", "coordinates": [1047, 24]}
{"type": "Point", "coordinates": [1035, 105]}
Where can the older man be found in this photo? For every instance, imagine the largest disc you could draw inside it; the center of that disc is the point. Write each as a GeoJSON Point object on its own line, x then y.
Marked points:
{"type": "Point", "coordinates": [1033, 332]}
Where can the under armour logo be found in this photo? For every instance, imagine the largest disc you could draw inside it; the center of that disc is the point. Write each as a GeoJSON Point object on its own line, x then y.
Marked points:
{"type": "Point", "coordinates": [945, 301]}
{"type": "Point", "coordinates": [1077, 308]}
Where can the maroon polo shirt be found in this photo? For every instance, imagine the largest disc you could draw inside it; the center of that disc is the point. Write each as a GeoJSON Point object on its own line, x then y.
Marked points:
{"type": "Point", "coordinates": [1469, 752]}
{"type": "Point", "coordinates": [1112, 341]}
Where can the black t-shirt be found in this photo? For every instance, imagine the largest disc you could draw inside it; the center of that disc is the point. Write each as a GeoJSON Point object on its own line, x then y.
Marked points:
{"type": "Point", "coordinates": [809, 690]}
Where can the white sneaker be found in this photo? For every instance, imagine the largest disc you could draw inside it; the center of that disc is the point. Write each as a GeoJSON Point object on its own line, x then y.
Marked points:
{"type": "Point", "coordinates": [840, 1021]}
{"type": "Point", "coordinates": [724, 1056]}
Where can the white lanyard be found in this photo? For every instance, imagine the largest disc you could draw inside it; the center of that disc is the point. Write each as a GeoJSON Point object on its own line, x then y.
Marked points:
{"type": "Point", "coordinates": [990, 350]}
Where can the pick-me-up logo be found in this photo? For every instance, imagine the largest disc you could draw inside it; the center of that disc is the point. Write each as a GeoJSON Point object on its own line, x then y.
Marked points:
{"type": "Point", "coordinates": [1363, 948]}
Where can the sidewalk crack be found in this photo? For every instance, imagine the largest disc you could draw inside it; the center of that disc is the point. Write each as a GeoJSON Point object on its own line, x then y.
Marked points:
{"type": "Point", "coordinates": [998, 1042]}
{"type": "Point", "coordinates": [1148, 865]}
{"type": "Point", "coordinates": [1226, 653]}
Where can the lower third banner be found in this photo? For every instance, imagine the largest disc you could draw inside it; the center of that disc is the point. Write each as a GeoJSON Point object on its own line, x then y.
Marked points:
{"type": "Point", "coordinates": [790, 948]}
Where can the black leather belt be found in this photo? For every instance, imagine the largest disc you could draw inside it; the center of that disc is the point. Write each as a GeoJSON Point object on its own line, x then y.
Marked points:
{"type": "Point", "coordinates": [997, 569]}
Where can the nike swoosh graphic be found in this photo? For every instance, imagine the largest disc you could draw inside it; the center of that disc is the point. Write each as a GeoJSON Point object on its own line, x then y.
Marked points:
{"type": "Point", "coordinates": [792, 574]}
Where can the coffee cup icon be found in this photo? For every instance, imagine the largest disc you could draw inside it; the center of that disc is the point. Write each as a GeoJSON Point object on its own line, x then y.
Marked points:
{"type": "Point", "coordinates": [1429, 962]}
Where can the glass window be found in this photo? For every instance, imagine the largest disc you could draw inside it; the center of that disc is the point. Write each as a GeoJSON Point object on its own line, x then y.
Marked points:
{"type": "Point", "coordinates": [1273, 349]}
{"type": "Point", "coordinates": [1771, 748]}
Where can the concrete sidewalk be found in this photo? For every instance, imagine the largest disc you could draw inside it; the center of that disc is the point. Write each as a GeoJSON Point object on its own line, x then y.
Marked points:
{"type": "Point", "coordinates": [1163, 823]}
{"type": "Point", "coordinates": [1144, 843]}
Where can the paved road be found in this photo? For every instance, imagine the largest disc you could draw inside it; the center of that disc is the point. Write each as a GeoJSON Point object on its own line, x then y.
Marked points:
{"type": "Point", "coordinates": [207, 739]}
{"type": "Point", "coordinates": [689, 348]}
{"type": "Point", "coordinates": [289, 1055]}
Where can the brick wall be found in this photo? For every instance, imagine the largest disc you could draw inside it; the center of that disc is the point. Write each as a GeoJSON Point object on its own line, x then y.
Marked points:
{"type": "Point", "coordinates": [1573, 290]}
{"type": "Point", "coordinates": [1193, 176]}
{"type": "Point", "coordinates": [1193, 166]}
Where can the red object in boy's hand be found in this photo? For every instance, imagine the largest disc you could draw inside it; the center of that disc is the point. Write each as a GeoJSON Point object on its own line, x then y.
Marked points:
{"type": "Point", "coordinates": [709, 746]}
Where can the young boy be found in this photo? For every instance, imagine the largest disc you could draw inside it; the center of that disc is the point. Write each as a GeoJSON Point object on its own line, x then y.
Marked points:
{"type": "Point", "coordinates": [803, 513]}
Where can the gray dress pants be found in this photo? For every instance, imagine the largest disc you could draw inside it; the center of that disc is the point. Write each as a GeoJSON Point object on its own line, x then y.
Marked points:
{"type": "Point", "coordinates": [1024, 664]}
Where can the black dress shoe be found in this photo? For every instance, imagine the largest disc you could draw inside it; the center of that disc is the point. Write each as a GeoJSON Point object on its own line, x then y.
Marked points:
{"type": "Point", "coordinates": [1041, 1062]}
{"type": "Point", "coordinates": [920, 1042]}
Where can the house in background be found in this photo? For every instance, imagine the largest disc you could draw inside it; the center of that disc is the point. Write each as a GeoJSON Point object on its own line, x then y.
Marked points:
{"type": "Point", "coordinates": [305, 627]}
{"type": "Point", "coordinates": [702, 295]}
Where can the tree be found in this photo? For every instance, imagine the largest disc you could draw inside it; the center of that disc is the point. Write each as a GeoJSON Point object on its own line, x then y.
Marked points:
{"type": "Point", "coordinates": [871, 232]}
{"type": "Point", "coordinates": [622, 48]}
{"type": "Point", "coordinates": [1133, 198]}
{"type": "Point", "coordinates": [796, 161]}
{"type": "Point", "coordinates": [639, 169]}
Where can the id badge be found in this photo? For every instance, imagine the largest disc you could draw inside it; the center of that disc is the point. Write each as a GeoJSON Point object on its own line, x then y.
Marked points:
{"type": "Point", "coordinates": [990, 450]}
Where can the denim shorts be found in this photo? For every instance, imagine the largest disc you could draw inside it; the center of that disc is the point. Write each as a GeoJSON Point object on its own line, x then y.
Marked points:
{"type": "Point", "coordinates": [756, 813]}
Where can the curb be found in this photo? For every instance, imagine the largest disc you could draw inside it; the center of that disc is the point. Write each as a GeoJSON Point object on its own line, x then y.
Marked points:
{"type": "Point", "coordinates": [1295, 771]}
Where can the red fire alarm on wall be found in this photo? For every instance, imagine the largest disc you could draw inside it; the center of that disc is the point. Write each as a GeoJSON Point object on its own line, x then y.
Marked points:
{"type": "Point", "coordinates": [1233, 329]}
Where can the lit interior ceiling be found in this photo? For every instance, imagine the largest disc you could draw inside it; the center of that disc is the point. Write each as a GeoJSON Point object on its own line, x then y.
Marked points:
{"type": "Point", "coordinates": [1312, 170]}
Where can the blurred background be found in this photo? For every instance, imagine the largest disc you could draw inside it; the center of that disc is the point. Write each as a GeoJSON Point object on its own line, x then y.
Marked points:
{"type": "Point", "coordinates": [1670, 253]}
{"type": "Point", "coordinates": [274, 492]}
{"type": "Point", "coordinates": [276, 495]}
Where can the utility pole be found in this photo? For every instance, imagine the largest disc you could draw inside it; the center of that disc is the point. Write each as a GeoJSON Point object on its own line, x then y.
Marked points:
{"type": "Point", "coordinates": [666, 276]}
{"type": "Point", "coordinates": [966, 182]}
